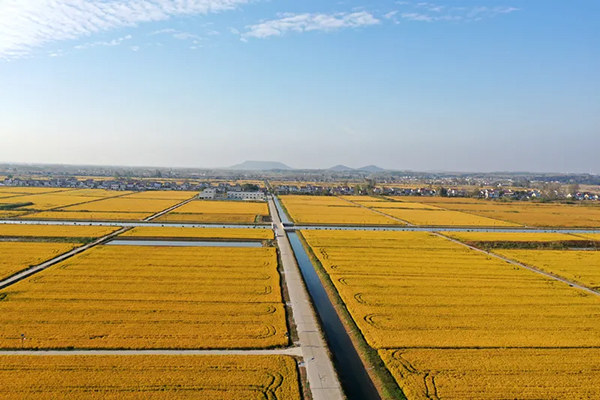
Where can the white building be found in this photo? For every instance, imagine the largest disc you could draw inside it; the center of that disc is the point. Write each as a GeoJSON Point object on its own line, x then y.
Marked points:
{"type": "Point", "coordinates": [256, 196]}
{"type": "Point", "coordinates": [208, 194]}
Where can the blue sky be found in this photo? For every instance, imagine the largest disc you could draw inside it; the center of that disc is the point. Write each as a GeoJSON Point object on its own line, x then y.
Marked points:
{"type": "Point", "coordinates": [477, 85]}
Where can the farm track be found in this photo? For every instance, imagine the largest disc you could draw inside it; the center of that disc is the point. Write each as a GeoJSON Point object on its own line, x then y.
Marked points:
{"type": "Point", "coordinates": [47, 264]}
{"type": "Point", "coordinates": [168, 210]}
{"type": "Point", "coordinates": [518, 264]}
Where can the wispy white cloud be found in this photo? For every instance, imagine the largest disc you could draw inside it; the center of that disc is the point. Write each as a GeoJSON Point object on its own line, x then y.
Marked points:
{"type": "Point", "coordinates": [135, 48]}
{"type": "Point", "coordinates": [430, 12]}
{"type": "Point", "coordinates": [114, 42]}
{"type": "Point", "coordinates": [310, 22]}
{"type": "Point", "coordinates": [28, 24]}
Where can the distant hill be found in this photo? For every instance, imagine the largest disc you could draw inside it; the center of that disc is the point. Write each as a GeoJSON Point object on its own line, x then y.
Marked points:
{"type": "Point", "coordinates": [340, 168]}
{"type": "Point", "coordinates": [371, 168]}
{"type": "Point", "coordinates": [260, 166]}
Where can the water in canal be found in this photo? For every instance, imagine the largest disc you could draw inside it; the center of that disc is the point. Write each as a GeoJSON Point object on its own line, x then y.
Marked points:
{"type": "Point", "coordinates": [354, 378]}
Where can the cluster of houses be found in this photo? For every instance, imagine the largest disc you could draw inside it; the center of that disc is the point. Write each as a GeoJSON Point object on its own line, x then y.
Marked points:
{"type": "Point", "coordinates": [500, 193]}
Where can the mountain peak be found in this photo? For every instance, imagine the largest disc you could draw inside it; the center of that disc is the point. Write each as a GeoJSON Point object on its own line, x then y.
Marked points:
{"type": "Point", "coordinates": [260, 166]}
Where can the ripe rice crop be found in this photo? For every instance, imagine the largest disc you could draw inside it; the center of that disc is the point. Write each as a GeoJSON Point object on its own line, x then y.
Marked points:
{"type": "Point", "coordinates": [125, 204]}
{"type": "Point", "coordinates": [98, 193]}
{"type": "Point", "coordinates": [582, 267]}
{"type": "Point", "coordinates": [225, 207]}
{"type": "Point", "coordinates": [414, 289]}
{"type": "Point", "coordinates": [88, 216]}
{"type": "Point", "coordinates": [10, 214]}
{"type": "Point", "coordinates": [363, 199]}
{"type": "Point", "coordinates": [205, 233]}
{"type": "Point", "coordinates": [590, 236]}
{"type": "Point", "coordinates": [536, 215]}
{"type": "Point", "coordinates": [442, 218]}
{"type": "Point", "coordinates": [510, 237]}
{"type": "Point", "coordinates": [528, 374]}
{"type": "Point", "coordinates": [381, 206]}
{"type": "Point", "coordinates": [55, 231]}
{"type": "Point", "coordinates": [219, 377]}
{"type": "Point", "coordinates": [450, 322]}
{"type": "Point", "coordinates": [31, 190]}
{"type": "Point", "coordinates": [164, 195]}
{"type": "Point", "coordinates": [46, 201]}
{"type": "Point", "coordinates": [331, 210]}
{"type": "Point", "coordinates": [138, 297]}
{"type": "Point", "coordinates": [17, 256]}
{"type": "Point", "coordinates": [205, 211]}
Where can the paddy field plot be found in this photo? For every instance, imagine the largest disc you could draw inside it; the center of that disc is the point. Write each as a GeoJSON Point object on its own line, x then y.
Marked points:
{"type": "Point", "coordinates": [533, 214]}
{"type": "Point", "coordinates": [222, 377]}
{"type": "Point", "coordinates": [164, 195]}
{"type": "Point", "coordinates": [18, 256]}
{"type": "Point", "coordinates": [315, 210]}
{"type": "Point", "coordinates": [208, 211]}
{"type": "Point", "coordinates": [86, 216]}
{"type": "Point", "coordinates": [18, 190]}
{"type": "Point", "coordinates": [443, 218]}
{"type": "Point", "coordinates": [590, 236]}
{"type": "Point", "coordinates": [137, 297]}
{"type": "Point", "coordinates": [200, 233]}
{"type": "Point", "coordinates": [530, 374]}
{"type": "Point", "coordinates": [581, 267]}
{"type": "Point", "coordinates": [414, 291]}
{"type": "Point", "coordinates": [42, 202]}
{"type": "Point", "coordinates": [515, 237]}
{"type": "Point", "coordinates": [54, 231]}
{"type": "Point", "coordinates": [125, 204]}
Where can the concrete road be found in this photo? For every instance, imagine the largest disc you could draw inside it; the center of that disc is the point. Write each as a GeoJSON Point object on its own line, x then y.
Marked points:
{"type": "Point", "coordinates": [322, 378]}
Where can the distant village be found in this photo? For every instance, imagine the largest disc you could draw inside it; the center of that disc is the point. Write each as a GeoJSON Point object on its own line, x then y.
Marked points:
{"type": "Point", "coordinates": [244, 191]}
{"type": "Point", "coordinates": [508, 194]}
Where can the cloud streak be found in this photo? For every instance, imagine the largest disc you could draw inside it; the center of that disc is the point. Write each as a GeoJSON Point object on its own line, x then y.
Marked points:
{"type": "Point", "coordinates": [29, 24]}
{"type": "Point", "coordinates": [310, 22]}
{"type": "Point", "coordinates": [430, 12]}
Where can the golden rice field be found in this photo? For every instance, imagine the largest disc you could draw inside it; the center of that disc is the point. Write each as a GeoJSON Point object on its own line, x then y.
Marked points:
{"type": "Point", "coordinates": [87, 216]}
{"type": "Point", "coordinates": [528, 374]}
{"type": "Point", "coordinates": [533, 214]}
{"type": "Point", "coordinates": [443, 218]}
{"type": "Point", "coordinates": [363, 199]}
{"type": "Point", "coordinates": [331, 210]}
{"type": "Point", "coordinates": [164, 195]}
{"type": "Point", "coordinates": [511, 237]}
{"type": "Point", "coordinates": [426, 303]}
{"type": "Point", "coordinates": [125, 204]}
{"type": "Point", "coordinates": [136, 297]}
{"type": "Point", "coordinates": [11, 214]}
{"type": "Point", "coordinates": [96, 193]}
{"type": "Point", "coordinates": [46, 201]}
{"type": "Point", "coordinates": [401, 205]}
{"type": "Point", "coordinates": [54, 231]}
{"type": "Point", "coordinates": [201, 233]}
{"type": "Point", "coordinates": [17, 256]}
{"type": "Point", "coordinates": [581, 267]}
{"type": "Point", "coordinates": [219, 377]}
{"type": "Point", "coordinates": [590, 236]}
{"type": "Point", "coordinates": [31, 190]}
{"type": "Point", "coordinates": [205, 211]}
{"type": "Point", "coordinates": [407, 289]}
